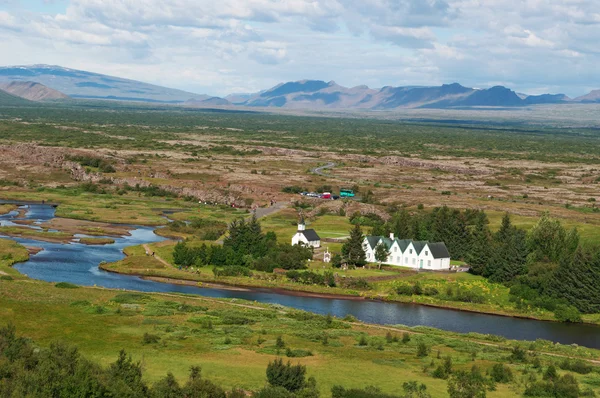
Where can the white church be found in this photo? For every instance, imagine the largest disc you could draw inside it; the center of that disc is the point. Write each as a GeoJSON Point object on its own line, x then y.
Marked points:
{"type": "Point", "coordinates": [307, 237]}
{"type": "Point", "coordinates": [408, 253]}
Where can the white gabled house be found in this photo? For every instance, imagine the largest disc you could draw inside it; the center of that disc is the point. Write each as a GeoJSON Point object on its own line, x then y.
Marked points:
{"type": "Point", "coordinates": [408, 253]}
{"type": "Point", "coordinates": [307, 237]}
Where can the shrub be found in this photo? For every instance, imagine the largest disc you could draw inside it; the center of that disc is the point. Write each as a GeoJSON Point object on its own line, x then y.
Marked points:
{"type": "Point", "coordinates": [363, 341]}
{"type": "Point", "coordinates": [501, 373]}
{"type": "Point", "coordinates": [298, 353]}
{"type": "Point", "coordinates": [405, 337]}
{"type": "Point", "coordinates": [577, 366]}
{"type": "Point", "coordinates": [291, 377]}
{"type": "Point", "coordinates": [430, 291]}
{"type": "Point", "coordinates": [567, 313]}
{"type": "Point", "coordinates": [150, 339]}
{"type": "Point", "coordinates": [404, 290]}
{"type": "Point", "coordinates": [518, 354]}
{"type": "Point", "coordinates": [279, 343]}
{"type": "Point", "coordinates": [66, 285]}
{"type": "Point", "coordinates": [422, 350]}
{"type": "Point", "coordinates": [6, 278]}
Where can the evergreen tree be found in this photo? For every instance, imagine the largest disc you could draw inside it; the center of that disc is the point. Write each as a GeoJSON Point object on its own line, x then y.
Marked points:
{"type": "Point", "coordinates": [479, 253]}
{"type": "Point", "coordinates": [546, 240]}
{"type": "Point", "coordinates": [352, 250]}
{"type": "Point", "coordinates": [509, 255]}
{"type": "Point", "coordinates": [401, 225]}
{"type": "Point", "coordinates": [576, 281]}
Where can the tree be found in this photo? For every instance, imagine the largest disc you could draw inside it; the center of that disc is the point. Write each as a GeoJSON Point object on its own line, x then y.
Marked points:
{"type": "Point", "coordinates": [467, 384]}
{"type": "Point", "coordinates": [479, 253]}
{"type": "Point", "coordinates": [167, 388]}
{"type": "Point", "coordinates": [401, 225]}
{"type": "Point", "coordinates": [576, 281]}
{"type": "Point", "coordinates": [381, 253]}
{"type": "Point", "coordinates": [291, 377]}
{"type": "Point", "coordinates": [352, 250]}
{"type": "Point", "coordinates": [547, 240]}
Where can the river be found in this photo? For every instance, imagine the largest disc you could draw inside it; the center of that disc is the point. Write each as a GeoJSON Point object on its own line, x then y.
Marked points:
{"type": "Point", "coordinates": [77, 263]}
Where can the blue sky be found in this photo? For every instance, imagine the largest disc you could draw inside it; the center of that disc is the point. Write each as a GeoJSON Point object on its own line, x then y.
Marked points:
{"type": "Point", "coordinates": [227, 46]}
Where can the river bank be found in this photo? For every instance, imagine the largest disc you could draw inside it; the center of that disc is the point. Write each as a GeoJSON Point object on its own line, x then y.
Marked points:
{"type": "Point", "coordinates": [155, 268]}
{"type": "Point", "coordinates": [197, 330]}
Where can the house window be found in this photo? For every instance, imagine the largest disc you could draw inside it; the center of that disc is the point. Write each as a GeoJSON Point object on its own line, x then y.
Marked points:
{"type": "Point", "coordinates": [398, 260]}
{"type": "Point", "coordinates": [405, 260]}
{"type": "Point", "coordinates": [410, 251]}
{"type": "Point", "coordinates": [429, 263]}
{"type": "Point", "coordinates": [414, 261]}
{"type": "Point", "coordinates": [426, 253]}
{"type": "Point", "coordinates": [395, 249]}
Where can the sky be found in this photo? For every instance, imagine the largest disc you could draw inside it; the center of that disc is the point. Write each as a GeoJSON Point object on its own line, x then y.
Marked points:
{"type": "Point", "coordinates": [221, 47]}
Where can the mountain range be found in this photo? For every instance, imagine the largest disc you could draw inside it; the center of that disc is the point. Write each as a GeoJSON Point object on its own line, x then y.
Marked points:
{"type": "Point", "coordinates": [43, 82]}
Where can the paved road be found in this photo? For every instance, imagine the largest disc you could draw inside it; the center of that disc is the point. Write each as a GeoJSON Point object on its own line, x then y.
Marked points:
{"type": "Point", "coordinates": [319, 170]}
{"type": "Point", "coordinates": [267, 211]}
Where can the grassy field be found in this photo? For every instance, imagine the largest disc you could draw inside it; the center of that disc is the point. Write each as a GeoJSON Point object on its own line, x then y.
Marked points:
{"type": "Point", "coordinates": [233, 341]}
{"type": "Point", "coordinates": [11, 253]}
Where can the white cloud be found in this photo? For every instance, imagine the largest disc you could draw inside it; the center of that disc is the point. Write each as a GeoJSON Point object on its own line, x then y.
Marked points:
{"type": "Point", "coordinates": [252, 44]}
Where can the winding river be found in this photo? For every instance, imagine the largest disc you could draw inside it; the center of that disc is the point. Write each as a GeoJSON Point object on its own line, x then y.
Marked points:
{"type": "Point", "coordinates": [78, 263]}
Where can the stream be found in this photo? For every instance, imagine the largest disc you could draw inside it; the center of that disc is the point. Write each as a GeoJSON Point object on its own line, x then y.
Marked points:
{"type": "Point", "coordinates": [77, 263]}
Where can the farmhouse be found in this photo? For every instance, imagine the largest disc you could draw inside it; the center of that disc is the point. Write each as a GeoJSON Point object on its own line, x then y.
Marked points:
{"type": "Point", "coordinates": [408, 253]}
{"type": "Point", "coordinates": [307, 237]}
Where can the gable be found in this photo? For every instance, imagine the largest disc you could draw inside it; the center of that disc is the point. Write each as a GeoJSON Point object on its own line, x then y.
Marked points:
{"type": "Point", "coordinates": [311, 235]}
{"type": "Point", "coordinates": [439, 250]}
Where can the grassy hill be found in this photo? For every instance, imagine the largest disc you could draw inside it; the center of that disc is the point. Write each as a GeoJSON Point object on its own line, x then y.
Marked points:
{"type": "Point", "coordinates": [7, 99]}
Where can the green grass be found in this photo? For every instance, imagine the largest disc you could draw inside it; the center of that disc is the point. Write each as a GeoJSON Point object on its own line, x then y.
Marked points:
{"type": "Point", "coordinates": [11, 253]}
{"type": "Point", "coordinates": [101, 322]}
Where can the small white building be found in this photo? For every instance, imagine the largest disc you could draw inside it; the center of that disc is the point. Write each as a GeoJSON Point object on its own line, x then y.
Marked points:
{"type": "Point", "coordinates": [408, 253]}
{"type": "Point", "coordinates": [307, 237]}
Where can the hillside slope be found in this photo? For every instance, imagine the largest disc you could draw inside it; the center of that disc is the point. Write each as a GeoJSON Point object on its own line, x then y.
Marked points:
{"type": "Point", "coordinates": [7, 99]}
{"type": "Point", "coordinates": [82, 84]}
{"type": "Point", "coordinates": [32, 91]}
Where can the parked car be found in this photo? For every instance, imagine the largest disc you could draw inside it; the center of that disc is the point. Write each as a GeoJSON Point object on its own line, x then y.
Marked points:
{"type": "Point", "coordinates": [335, 197]}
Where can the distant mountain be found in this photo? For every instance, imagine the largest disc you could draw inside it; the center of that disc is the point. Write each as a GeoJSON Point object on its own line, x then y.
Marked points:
{"type": "Point", "coordinates": [593, 96]}
{"type": "Point", "coordinates": [212, 101]}
{"type": "Point", "coordinates": [317, 94]}
{"type": "Point", "coordinates": [82, 84]}
{"type": "Point", "coordinates": [32, 91]}
{"type": "Point", "coordinates": [546, 99]}
{"type": "Point", "coordinates": [7, 99]}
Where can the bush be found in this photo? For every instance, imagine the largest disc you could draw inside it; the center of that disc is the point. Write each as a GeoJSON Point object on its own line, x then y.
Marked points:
{"type": "Point", "coordinates": [279, 343]}
{"type": "Point", "coordinates": [567, 313]}
{"type": "Point", "coordinates": [150, 339]}
{"type": "Point", "coordinates": [291, 377]}
{"type": "Point", "coordinates": [6, 278]}
{"type": "Point", "coordinates": [577, 366]}
{"type": "Point", "coordinates": [430, 291]}
{"type": "Point", "coordinates": [298, 353]}
{"type": "Point", "coordinates": [501, 373]}
{"type": "Point", "coordinates": [422, 350]}
{"type": "Point", "coordinates": [404, 290]}
{"type": "Point", "coordinates": [405, 337]}
{"type": "Point", "coordinates": [293, 189]}
{"type": "Point", "coordinates": [66, 285]}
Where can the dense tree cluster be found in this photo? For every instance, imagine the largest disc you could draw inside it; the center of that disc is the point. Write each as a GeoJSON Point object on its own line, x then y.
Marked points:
{"type": "Point", "coordinates": [545, 267]}
{"type": "Point", "coordinates": [245, 246]}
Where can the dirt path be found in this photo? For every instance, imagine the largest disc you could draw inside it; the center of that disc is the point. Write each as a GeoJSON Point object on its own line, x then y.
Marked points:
{"type": "Point", "coordinates": [319, 170]}
{"type": "Point", "coordinates": [267, 211]}
{"type": "Point", "coordinates": [149, 251]}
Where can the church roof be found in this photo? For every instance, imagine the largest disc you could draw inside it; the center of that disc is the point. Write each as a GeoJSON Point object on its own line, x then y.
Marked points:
{"type": "Point", "coordinates": [373, 241]}
{"type": "Point", "coordinates": [310, 235]}
{"type": "Point", "coordinates": [439, 250]}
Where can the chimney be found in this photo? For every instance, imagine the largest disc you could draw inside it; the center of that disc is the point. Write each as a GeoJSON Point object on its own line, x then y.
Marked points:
{"type": "Point", "coordinates": [392, 236]}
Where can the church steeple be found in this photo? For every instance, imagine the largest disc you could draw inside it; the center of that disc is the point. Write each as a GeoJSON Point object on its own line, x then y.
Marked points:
{"type": "Point", "coordinates": [301, 223]}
